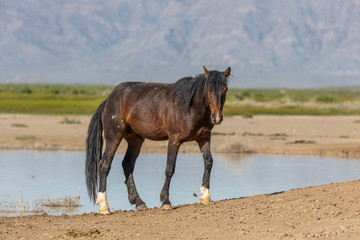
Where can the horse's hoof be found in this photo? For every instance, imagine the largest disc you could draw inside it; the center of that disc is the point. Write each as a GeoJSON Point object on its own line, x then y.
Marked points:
{"type": "Point", "coordinates": [141, 207]}
{"type": "Point", "coordinates": [166, 207]}
{"type": "Point", "coordinates": [205, 201]}
{"type": "Point", "coordinates": [205, 196]}
{"type": "Point", "coordinates": [105, 211]}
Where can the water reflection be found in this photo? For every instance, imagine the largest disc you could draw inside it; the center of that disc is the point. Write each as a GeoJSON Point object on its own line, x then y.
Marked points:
{"type": "Point", "coordinates": [28, 176]}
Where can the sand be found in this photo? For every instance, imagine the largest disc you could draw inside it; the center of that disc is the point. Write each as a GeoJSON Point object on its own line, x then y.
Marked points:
{"type": "Point", "coordinates": [334, 136]}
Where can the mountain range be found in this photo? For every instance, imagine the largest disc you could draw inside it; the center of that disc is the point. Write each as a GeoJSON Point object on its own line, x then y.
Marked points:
{"type": "Point", "coordinates": [279, 43]}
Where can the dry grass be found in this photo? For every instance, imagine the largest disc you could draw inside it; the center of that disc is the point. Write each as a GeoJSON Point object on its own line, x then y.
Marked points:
{"type": "Point", "coordinates": [21, 207]}
{"type": "Point", "coordinates": [14, 208]}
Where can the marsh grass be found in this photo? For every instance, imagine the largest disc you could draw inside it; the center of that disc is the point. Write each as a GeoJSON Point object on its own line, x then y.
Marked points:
{"type": "Point", "coordinates": [14, 208]}
{"type": "Point", "coordinates": [21, 207]}
{"type": "Point", "coordinates": [67, 204]}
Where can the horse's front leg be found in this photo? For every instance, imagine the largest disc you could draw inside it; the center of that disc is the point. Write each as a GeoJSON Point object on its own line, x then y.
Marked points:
{"type": "Point", "coordinates": [173, 148]}
{"type": "Point", "coordinates": [204, 146]}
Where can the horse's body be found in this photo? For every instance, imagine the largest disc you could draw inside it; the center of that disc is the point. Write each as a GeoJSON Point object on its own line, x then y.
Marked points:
{"type": "Point", "coordinates": [183, 111]}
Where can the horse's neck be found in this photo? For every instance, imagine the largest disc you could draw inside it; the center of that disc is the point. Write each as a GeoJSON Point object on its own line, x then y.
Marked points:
{"type": "Point", "coordinates": [200, 106]}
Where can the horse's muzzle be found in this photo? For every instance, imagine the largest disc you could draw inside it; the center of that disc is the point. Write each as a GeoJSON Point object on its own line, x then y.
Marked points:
{"type": "Point", "coordinates": [216, 119]}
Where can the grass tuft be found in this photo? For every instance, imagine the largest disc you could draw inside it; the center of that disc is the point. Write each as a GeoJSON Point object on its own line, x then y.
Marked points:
{"type": "Point", "coordinates": [27, 138]}
{"type": "Point", "coordinates": [20, 207]}
{"type": "Point", "coordinates": [252, 134]}
{"type": "Point", "coordinates": [19, 125]}
{"type": "Point", "coordinates": [70, 121]}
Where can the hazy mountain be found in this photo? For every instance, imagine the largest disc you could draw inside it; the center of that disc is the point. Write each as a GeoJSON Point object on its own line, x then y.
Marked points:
{"type": "Point", "coordinates": [287, 43]}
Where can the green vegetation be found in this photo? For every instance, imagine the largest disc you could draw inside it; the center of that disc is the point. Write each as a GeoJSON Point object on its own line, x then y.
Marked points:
{"type": "Point", "coordinates": [84, 99]}
{"type": "Point", "coordinates": [70, 121]}
{"type": "Point", "coordinates": [222, 133]}
{"type": "Point", "coordinates": [51, 99]}
{"type": "Point", "coordinates": [27, 138]}
{"type": "Point", "coordinates": [344, 136]}
{"type": "Point", "coordinates": [326, 101]}
{"type": "Point", "coordinates": [287, 110]}
{"type": "Point", "coordinates": [303, 142]}
{"type": "Point", "coordinates": [323, 95]}
{"type": "Point", "coordinates": [252, 134]}
{"type": "Point", "coordinates": [19, 125]}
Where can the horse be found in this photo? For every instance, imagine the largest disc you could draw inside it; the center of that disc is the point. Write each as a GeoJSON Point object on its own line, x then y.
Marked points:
{"type": "Point", "coordinates": [186, 110]}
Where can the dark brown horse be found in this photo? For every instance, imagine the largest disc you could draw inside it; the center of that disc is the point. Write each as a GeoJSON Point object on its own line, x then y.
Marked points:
{"type": "Point", "coordinates": [180, 112]}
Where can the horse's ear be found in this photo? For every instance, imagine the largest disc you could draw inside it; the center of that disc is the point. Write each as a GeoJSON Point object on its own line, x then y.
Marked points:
{"type": "Point", "coordinates": [207, 72]}
{"type": "Point", "coordinates": [227, 72]}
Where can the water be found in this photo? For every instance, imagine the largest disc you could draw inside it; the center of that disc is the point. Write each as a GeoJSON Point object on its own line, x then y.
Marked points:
{"type": "Point", "coordinates": [30, 175]}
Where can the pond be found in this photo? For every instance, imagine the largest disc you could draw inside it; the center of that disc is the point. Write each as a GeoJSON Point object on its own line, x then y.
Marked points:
{"type": "Point", "coordinates": [27, 176]}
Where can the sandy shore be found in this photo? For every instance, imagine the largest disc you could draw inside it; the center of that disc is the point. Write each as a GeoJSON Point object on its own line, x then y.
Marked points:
{"type": "Point", "coordinates": [334, 136]}
{"type": "Point", "coordinates": [326, 212]}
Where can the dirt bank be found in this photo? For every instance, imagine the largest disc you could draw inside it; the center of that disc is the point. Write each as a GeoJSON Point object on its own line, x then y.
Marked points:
{"type": "Point", "coordinates": [326, 212]}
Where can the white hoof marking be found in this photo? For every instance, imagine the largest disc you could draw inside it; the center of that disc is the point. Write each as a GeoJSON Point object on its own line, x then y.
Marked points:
{"type": "Point", "coordinates": [205, 195]}
{"type": "Point", "coordinates": [101, 201]}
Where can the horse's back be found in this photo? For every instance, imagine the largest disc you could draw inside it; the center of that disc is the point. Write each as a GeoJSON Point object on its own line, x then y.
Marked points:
{"type": "Point", "coordinates": [144, 107]}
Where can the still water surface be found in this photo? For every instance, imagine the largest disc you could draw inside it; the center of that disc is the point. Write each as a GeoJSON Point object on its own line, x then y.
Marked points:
{"type": "Point", "coordinates": [31, 175]}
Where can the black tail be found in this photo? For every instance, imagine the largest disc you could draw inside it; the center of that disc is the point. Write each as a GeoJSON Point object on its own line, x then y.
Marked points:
{"type": "Point", "coordinates": [94, 143]}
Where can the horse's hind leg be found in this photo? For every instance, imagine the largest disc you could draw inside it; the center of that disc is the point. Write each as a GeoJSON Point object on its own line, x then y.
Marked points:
{"type": "Point", "coordinates": [132, 152]}
{"type": "Point", "coordinates": [104, 169]}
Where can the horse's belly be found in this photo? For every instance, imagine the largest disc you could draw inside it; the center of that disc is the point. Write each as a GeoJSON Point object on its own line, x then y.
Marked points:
{"type": "Point", "coordinates": [157, 138]}
{"type": "Point", "coordinates": [149, 131]}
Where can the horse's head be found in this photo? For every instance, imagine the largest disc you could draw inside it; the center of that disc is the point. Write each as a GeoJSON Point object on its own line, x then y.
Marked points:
{"type": "Point", "coordinates": [215, 91]}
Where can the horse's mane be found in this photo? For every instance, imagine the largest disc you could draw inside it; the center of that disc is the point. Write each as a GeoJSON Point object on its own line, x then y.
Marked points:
{"type": "Point", "coordinates": [187, 88]}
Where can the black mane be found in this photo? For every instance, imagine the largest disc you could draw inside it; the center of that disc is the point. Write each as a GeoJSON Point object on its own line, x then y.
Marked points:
{"type": "Point", "coordinates": [187, 88]}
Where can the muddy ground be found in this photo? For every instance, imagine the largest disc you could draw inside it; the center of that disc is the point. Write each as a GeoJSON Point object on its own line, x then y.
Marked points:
{"type": "Point", "coordinates": [327, 212]}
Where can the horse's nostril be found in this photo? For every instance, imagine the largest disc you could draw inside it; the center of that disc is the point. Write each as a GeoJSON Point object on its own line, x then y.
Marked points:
{"type": "Point", "coordinates": [216, 118]}
{"type": "Point", "coordinates": [213, 118]}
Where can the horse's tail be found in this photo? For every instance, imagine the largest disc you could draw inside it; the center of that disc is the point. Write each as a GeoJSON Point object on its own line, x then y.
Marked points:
{"type": "Point", "coordinates": [94, 143]}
